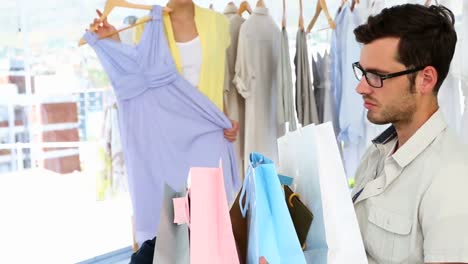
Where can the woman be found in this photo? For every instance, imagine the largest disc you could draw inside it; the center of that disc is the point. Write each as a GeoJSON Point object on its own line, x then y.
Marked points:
{"type": "Point", "coordinates": [198, 39]}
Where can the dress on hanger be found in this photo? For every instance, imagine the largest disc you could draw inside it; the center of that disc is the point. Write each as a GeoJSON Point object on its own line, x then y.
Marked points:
{"type": "Point", "coordinates": [306, 106]}
{"type": "Point", "coordinates": [235, 103]}
{"type": "Point", "coordinates": [255, 79]}
{"type": "Point", "coordinates": [285, 101]}
{"type": "Point", "coordinates": [167, 125]}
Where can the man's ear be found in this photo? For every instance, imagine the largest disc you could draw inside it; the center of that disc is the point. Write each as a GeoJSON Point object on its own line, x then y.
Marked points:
{"type": "Point", "coordinates": [427, 80]}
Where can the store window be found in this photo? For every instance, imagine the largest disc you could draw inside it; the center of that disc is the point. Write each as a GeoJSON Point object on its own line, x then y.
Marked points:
{"type": "Point", "coordinates": [59, 194]}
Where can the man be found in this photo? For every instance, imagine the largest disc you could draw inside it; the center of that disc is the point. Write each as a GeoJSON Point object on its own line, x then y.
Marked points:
{"type": "Point", "coordinates": [411, 192]}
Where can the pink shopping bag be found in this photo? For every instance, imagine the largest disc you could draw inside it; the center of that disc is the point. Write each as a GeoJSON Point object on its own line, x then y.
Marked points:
{"type": "Point", "coordinates": [211, 237]}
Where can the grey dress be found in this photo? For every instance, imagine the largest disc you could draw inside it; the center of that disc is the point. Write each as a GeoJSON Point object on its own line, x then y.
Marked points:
{"type": "Point", "coordinates": [255, 79]}
{"type": "Point", "coordinates": [285, 99]}
{"type": "Point", "coordinates": [305, 100]}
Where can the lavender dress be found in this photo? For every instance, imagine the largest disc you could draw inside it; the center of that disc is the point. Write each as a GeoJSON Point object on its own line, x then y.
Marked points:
{"type": "Point", "coordinates": [166, 124]}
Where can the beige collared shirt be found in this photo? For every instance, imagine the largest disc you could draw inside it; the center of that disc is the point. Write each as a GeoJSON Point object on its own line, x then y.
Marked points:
{"type": "Point", "coordinates": [412, 205]}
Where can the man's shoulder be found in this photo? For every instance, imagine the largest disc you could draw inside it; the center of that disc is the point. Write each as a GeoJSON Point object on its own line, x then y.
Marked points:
{"type": "Point", "coordinates": [450, 162]}
{"type": "Point", "coordinates": [450, 150]}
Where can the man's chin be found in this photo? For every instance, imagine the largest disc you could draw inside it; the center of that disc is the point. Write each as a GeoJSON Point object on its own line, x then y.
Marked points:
{"type": "Point", "coordinates": [376, 120]}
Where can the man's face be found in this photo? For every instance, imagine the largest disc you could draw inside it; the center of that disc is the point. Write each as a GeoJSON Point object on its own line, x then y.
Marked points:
{"type": "Point", "coordinates": [394, 102]}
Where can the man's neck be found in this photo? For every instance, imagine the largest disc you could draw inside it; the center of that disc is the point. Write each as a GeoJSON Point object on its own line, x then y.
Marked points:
{"type": "Point", "coordinates": [405, 130]}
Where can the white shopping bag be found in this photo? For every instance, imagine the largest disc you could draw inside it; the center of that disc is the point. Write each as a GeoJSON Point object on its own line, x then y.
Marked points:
{"type": "Point", "coordinates": [310, 155]}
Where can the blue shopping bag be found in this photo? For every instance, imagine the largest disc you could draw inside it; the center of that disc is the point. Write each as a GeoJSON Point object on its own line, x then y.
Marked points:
{"type": "Point", "coordinates": [271, 232]}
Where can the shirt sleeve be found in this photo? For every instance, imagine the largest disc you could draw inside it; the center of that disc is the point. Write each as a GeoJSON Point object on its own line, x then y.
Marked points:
{"type": "Point", "coordinates": [444, 216]}
{"type": "Point", "coordinates": [281, 80]}
{"type": "Point", "coordinates": [242, 76]}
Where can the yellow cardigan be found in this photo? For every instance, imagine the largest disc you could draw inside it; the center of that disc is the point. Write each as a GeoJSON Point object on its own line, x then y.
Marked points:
{"type": "Point", "coordinates": [213, 30]}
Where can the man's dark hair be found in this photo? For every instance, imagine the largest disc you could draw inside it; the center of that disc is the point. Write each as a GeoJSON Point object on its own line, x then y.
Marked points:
{"type": "Point", "coordinates": [427, 36]}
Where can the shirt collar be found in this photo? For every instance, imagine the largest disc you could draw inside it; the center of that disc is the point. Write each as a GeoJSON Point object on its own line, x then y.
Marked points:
{"type": "Point", "coordinates": [423, 137]}
{"type": "Point", "coordinates": [230, 9]}
{"type": "Point", "coordinates": [386, 136]}
{"type": "Point", "coordinates": [260, 11]}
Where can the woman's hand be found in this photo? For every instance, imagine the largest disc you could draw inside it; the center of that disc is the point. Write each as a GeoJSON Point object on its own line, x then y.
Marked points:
{"type": "Point", "coordinates": [103, 28]}
{"type": "Point", "coordinates": [231, 134]}
{"type": "Point", "coordinates": [262, 260]}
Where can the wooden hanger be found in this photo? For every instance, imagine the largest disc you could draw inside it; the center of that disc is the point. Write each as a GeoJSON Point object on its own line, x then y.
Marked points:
{"type": "Point", "coordinates": [110, 5]}
{"type": "Point", "coordinates": [301, 18]}
{"type": "Point", "coordinates": [343, 2]}
{"type": "Point", "coordinates": [231, 4]}
{"type": "Point", "coordinates": [260, 3]}
{"type": "Point", "coordinates": [321, 5]}
{"type": "Point", "coordinates": [244, 6]}
{"type": "Point", "coordinates": [283, 20]}
{"type": "Point", "coordinates": [353, 4]}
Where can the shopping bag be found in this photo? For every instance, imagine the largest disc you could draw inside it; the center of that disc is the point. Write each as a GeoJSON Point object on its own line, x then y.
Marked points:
{"type": "Point", "coordinates": [211, 237]}
{"type": "Point", "coordinates": [271, 232]}
{"type": "Point", "coordinates": [301, 215]}
{"type": "Point", "coordinates": [239, 228]}
{"type": "Point", "coordinates": [310, 155]}
{"type": "Point", "coordinates": [172, 243]}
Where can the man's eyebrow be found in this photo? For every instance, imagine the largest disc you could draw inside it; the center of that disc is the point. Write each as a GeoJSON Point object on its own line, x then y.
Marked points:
{"type": "Point", "coordinates": [375, 70]}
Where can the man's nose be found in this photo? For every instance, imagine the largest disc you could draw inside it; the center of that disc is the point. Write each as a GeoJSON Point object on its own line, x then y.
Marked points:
{"type": "Point", "coordinates": [363, 87]}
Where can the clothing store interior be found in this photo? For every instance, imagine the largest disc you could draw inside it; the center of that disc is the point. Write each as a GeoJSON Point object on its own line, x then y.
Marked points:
{"type": "Point", "coordinates": [321, 131]}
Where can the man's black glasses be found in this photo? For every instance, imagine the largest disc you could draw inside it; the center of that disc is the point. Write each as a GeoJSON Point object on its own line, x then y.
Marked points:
{"type": "Point", "coordinates": [376, 80]}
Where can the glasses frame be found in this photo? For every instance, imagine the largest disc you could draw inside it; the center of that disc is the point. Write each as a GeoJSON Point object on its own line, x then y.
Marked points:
{"type": "Point", "coordinates": [383, 76]}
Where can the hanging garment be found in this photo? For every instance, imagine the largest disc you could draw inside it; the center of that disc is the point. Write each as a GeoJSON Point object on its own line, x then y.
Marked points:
{"type": "Point", "coordinates": [336, 58]}
{"type": "Point", "coordinates": [352, 112]}
{"type": "Point", "coordinates": [305, 100]}
{"type": "Point", "coordinates": [319, 92]}
{"type": "Point", "coordinates": [354, 128]}
{"type": "Point", "coordinates": [235, 103]}
{"type": "Point", "coordinates": [285, 85]}
{"type": "Point", "coordinates": [257, 59]}
{"type": "Point", "coordinates": [453, 85]}
{"type": "Point", "coordinates": [329, 104]}
{"type": "Point", "coordinates": [271, 230]}
{"type": "Point", "coordinates": [166, 124]}
{"type": "Point", "coordinates": [213, 30]}
{"type": "Point", "coordinates": [118, 175]}
{"type": "Point", "coordinates": [230, 11]}
{"type": "Point", "coordinates": [449, 98]}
